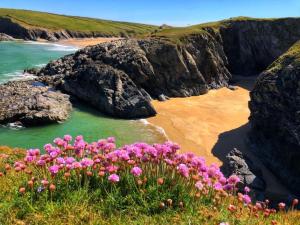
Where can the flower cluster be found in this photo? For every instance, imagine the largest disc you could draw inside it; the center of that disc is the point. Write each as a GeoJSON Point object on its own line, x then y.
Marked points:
{"type": "Point", "coordinates": [67, 164]}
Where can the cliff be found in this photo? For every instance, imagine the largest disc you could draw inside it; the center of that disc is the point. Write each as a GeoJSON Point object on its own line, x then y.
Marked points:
{"type": "Point", "coordinates": [176, 62]}
{"type": "Point", "coordinates": [32, 25]}
{"type": "Point", "coordinates": [275, 118]}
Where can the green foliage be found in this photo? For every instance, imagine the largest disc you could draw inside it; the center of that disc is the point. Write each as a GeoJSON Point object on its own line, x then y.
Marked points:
{"type": "Point", "coordinates": [291, 57]}
{"type": "Point", "coordinates": [56, 22]}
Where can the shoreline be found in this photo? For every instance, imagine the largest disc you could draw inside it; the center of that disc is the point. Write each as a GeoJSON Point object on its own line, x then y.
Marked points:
{"type": "Point", "coordinates": [84, 42]}
{"type": "Point", "coordinates": [197, 123]}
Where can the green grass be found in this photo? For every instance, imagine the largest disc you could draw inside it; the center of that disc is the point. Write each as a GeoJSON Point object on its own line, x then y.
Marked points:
{"type": "Point", "coordinates": [86, 205]}
{"type": "Point", "coordinates": [291, 57]}
{"type": "Point", "coordinates": [177, 34]}
{"type": "Point", "coordinates": [54, 22]}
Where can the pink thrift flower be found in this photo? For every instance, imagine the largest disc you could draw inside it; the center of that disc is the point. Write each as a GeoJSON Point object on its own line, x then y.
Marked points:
{"type": "Point", "coordinates": [60, 160]}
{"type": "Point", "coordinates": [233, 179]}
{"type": "Point", "coordinates": [218, 186]}
{"type": "Point", "coordinates": [136, 171]}
{"type": "Point", "coordinates": [114, 178]}
{"type": "Point", "coordinates": [68, 138]}
{"type": "Point", "coordinates": [54, 169]}
{"type": "Point", "coordinates": [199, 185]}
{"type": "Point", "coordinates": [111, 140]}
{"type": "Point", "coordinates": [246, 199]}
{"type": "Point", "coordinates": [246, 190]}
{"type": "Point", "coordinates": [86, 162]}
{"type": "Point", "coordinates": [183, 170]}
{"type": "Point", "coordinates": [41, 162]}
{"type": "Point", "coordinates": [70, 160]}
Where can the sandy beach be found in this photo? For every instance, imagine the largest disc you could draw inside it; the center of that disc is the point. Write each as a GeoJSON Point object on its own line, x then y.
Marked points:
{"type": "Point", "coordinates": [83, 42]}
{"type": "Point", "coordinates": [197, 122]}
{"type": "Point", "coordinates": [211, 125]}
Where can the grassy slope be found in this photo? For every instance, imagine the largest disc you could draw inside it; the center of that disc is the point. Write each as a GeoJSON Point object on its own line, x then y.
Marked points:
{"type": "Point", "coordinates": [179, 33]}
{"type": "Point", "coordinates": [292, 56]}
{"type": "Point", "coordinates": [80, 208]}
{"type": "Point", "coordinates": [54, 22]}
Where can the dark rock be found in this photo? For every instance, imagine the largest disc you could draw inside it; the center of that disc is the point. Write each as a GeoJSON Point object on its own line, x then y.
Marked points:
{"type": "Point", "coordinates": [109, 90]}
{"type": "Point", "coordinates": [249, 174]}
{"type": "Point", "coordinates": [23, 102]}
{"type": "Point", "coordinates": [251, 45]}
{"type": "Point", "coordinates": [163, 98]}
{"type": "Point", "coordinates": [275, 118]}
{"type": "Point", "coordinates": [233, 88]}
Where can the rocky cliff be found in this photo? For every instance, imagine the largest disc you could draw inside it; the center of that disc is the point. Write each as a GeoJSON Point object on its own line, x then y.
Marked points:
{"type": "Point", "coordinates": [16, 30]}
{"type": "Point", "coordinates": [275, 117]}
{"type": "Point", "coordinates": [120, 77]}
{"type": "Point", "coordinates": [31, 103]}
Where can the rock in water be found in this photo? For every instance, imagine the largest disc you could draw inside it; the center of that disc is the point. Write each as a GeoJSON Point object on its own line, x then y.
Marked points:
{"type": "Point", "coordinates": [110, 90]}
{"type": "Point", "coordinates": [275, 117]}
{"type": "Point", "coordinates": [30, 104]}
{"type": "Point", "coordinates": [5, 37]}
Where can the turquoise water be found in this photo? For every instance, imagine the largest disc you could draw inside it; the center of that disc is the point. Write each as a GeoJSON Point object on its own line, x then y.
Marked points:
{"type": "Point", "coordinates": [15, 57]}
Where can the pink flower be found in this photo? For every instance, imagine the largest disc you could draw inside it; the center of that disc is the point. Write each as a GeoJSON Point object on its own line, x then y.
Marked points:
{"type": "Point", "coordinates": [233, 179]}
{"type": "Point", "coordinates": [136, 171]}
{"type": "Point", "coordinates": [281, 205]}
{"type": "Point", "coordinates": [68, 138]}
{"type": "Point", "coordinates": [41, 162]}
{"type": "Point", "coordinates": [60, 160]}
{"type": "Point", "coordinates": [218, 186]}
{"type": "Point", "coordinates": [183, 170]}
{"type": "Point", "coordinates": [246, 199]}
{"type": "Point", "coordinates": [54, 169]}
{"type": "Point", "coordinates": [70, 160]}
{"type": "Point", "coordinates": [114, 178]}
{"type": "Point", "coordinates": [246, 190]}
{"type": "Point", "coordinates": [86, 162]}
{"type": "Point", "coordinates": [199, 185]}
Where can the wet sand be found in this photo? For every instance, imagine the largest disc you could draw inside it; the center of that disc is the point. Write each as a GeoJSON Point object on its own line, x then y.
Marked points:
{"type": "Point", "coordinates": [83, 42]}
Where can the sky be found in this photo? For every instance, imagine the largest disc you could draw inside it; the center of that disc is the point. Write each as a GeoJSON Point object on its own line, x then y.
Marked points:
{"type": "Point", "coordinates": [174, 12]}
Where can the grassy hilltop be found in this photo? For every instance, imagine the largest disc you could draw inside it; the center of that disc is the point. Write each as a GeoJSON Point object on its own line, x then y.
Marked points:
{"type": "Point", "coordinates": [55, 22]}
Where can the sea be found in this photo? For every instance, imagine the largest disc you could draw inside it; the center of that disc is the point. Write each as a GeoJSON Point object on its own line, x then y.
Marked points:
{"type": "Point", "coordinates": [19, 55]}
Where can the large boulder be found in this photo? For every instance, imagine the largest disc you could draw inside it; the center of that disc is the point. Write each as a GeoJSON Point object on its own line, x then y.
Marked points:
{"type": "Point", "coordinates": [32, 103]}
{"type": "Point", "coordinates": [119, 78]}
{"type": "Point", "coordinates": [275, 117]}
{"type": "Point", "coordinates": [5, 37]}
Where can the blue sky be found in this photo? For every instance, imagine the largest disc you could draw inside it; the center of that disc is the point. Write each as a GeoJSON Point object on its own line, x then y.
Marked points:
{"type": "Point", "coordinates": [174, 12]}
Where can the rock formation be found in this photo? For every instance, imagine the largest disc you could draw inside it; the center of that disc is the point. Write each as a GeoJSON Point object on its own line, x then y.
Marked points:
{"type": "Point", "coordinates": [31, 103]}
{"type": "Point", "coordinates": [275, 117]}
{"type": "Point", "coordinates": [5, 37]}
{"type": "Point", "coordinates": [119, 77]}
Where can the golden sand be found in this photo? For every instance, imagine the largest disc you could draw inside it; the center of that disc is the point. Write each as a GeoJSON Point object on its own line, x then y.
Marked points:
{"type": "Point", "coordinates": [83, 42]}
{"type": "Point", "coordinates": [211, 125]}
{"type": "Point", "coordinates": [196, 122]}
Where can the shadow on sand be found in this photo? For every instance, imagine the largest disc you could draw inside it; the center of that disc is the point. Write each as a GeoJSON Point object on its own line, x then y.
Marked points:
{"type": "Point", "coordinates": [229, 140]}
{"type": "Point", "coordinates": [237, 138]}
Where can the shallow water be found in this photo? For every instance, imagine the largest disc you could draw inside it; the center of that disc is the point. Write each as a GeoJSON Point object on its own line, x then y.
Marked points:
{"type": "Point", "coordinates": [15, 57]}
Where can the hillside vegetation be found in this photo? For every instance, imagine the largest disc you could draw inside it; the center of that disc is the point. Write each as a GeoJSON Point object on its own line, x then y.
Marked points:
{"type": "Point", "coordinates": [54, 22]}
{"type": "Point", "coordinates": [179, 33]}
{"type": "Point", "coordinates": [81, 183]}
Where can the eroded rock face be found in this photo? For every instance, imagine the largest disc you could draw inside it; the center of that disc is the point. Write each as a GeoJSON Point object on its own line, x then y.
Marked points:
{"type": "Point", "coordinates": [5, 37]}
{"type": "Point", "coordinates": [251, 45]}
{"type": "Point", "coordinates": [249, 174]}
{"type": "Point", "coordinates": [275, 117]}
{"type": "Point", "coordinates": [142, 68]}
{"type": "Point", "coordinates": [32, 103]}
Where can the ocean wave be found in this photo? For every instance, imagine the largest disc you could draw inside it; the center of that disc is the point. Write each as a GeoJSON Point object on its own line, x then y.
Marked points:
{"type": "Point", "coordinates": [16, 75]}
{"type": "Point", "coordinates": [158, 128]}
{"type": "Point", "coordinates": [54, 46]}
